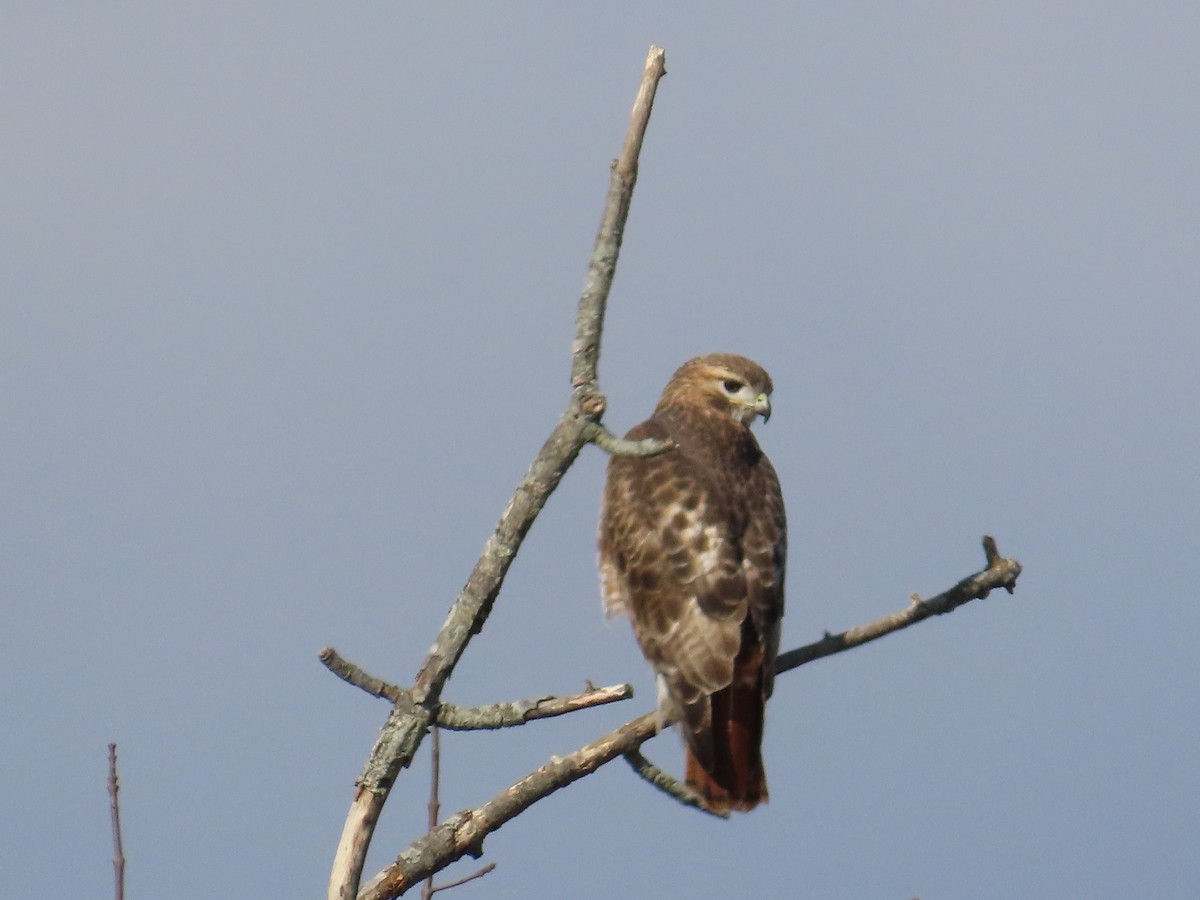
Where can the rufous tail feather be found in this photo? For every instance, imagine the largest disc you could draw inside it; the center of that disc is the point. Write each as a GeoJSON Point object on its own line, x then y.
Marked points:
{"type": "Point", "coordinates": [736, 780]}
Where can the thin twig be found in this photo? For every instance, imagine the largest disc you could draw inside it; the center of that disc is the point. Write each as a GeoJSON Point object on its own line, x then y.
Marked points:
{"type": "Point", "coordinates": [471, 877]}
{"type": "Point", "coordinates": [435, 806]}
{"type": "Point", "coordinates": [668, 784]}
{"type": "Point", "coordinates": [115, 810]}
{"type": "Point", "coordinates": [469, 718]}
{"type": "Point", "coordinates": [1000, 573]}
{"type": "Point", "coordinates": [406, 726]}
{"type": "Point", "coordinates": [463, 834]}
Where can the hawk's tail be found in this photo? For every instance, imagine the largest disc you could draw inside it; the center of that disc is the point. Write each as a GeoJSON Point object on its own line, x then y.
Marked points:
{"type": "Point", "coordinates": [735, 780]}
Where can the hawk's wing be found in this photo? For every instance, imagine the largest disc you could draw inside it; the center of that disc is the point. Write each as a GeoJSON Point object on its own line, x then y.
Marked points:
{"type": "Point", "coordinates": [687, 558]}
{"type": "Point", "coordinates": [764, 550]}
{"type": "Point", "coordinates": [696, 559]}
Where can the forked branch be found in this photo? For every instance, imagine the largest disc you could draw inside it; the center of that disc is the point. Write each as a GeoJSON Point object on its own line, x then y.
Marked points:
{"type": "Point", "coordinates": [463, 834]}
{"type": "Point", "coordinates": [415, 710]}
{"type": "Point", "coordinates": [412, 715]}
{"type": "Point", "coordinates": [472, 718]}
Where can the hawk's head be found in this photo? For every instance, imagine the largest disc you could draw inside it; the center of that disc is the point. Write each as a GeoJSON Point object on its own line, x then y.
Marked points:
{"type": "Point", "coordinates": [729, 384]}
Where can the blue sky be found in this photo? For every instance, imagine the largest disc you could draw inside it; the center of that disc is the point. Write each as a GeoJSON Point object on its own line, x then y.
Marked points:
{"type": "Point", "coordinates": [288, 297]}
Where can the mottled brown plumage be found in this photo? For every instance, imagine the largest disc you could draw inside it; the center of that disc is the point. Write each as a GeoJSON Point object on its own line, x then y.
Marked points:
{"type": "Point", "coordinates": [692, 547]}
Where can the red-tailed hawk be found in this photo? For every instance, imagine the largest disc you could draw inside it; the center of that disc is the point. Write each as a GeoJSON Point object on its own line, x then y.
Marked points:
{"type": "Point", "coordinates": [692, 548]}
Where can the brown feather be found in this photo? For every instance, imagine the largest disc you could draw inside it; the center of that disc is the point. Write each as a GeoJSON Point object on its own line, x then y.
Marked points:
{"type": "Point", "coordinates": [735, 779]}
{"type": "Point", "coordinates": [692, 548]}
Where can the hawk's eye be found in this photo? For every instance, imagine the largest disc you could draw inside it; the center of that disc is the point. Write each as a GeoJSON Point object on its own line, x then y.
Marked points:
{"type": "Point", "coordinates": [732, 386]}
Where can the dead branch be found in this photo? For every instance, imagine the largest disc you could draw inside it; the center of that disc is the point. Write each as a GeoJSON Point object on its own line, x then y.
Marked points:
{"type": "Point", "coordinates": [463, 834]}
{"type": "Point", "coordinates": [435, 804]}
{"type": "Point", "coordinates": [610, 443]}
{"type": "Point", "coordinates": [417, 709]}
{"type": "Point", "coordinates": [453, 884]}
{"type": "Point", "coordinates": [114, 808]}
{"type": "Point", "coordinates": [1000, 573]}
{"type": "Point", "coordinates": [507, 715]}
{"type": "Point", "coordinates": [407, 724]}
{"type": "Point", "coordinates": [471, 718]}
{"type": "Point", "coordinates": [352, 674]}
{"type": "Point", "coordinates": [589, 322]}
{"type": "Point", "coordinates": [668, 783]}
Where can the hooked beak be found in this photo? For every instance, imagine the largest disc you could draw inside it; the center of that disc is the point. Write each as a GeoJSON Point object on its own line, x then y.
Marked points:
{"type": "Point", "coordinates": [762, 406]}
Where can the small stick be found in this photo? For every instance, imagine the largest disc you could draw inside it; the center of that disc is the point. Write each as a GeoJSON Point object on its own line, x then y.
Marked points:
{"type": "Point", "coordinates": [115, 809]}
{"type": "Point", "coordinates": [435, 736]}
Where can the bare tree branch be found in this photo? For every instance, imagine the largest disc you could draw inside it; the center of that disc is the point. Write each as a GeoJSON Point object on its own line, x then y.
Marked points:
{"type": "Point", "coordinates": [463, 834]}
{"type": "Point", "coordinates": [415, 710]}
{"type": "Point", "coordinates": [470, 718]}
{"type": "Point", "coordinates": [507, 715]}
{"type": "Point", "coordinates": [1000, 573]}
{"type": "Point", "coordinates": [407, 724]}
{"type": "Point", "coordinates": [610, 443]}
{"type": "Point", "coordinates": [114, 808]}
{"type": "Point", "coordinates": [352, 674]}
{"type": "Point", "coordinates": [435, 805]}
{"type": "Point", "coordinates": [668, 783]}
{"type": "Point", "coordinates": [453, 884]}
{"type": "Point", "coordinates": [590, 320]}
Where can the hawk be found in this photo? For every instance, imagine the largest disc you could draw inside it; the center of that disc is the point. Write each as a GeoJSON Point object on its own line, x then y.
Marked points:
{"type": "Point", "coordinates": [692, 548]}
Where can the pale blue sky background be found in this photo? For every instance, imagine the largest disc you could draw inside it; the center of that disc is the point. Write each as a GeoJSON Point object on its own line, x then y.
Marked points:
{"type": "Point", "coordinates": [287, 296]}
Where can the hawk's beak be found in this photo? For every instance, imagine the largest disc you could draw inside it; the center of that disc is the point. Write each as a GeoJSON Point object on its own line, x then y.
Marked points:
{"type": "Point", "coordinates": [762, 406]}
